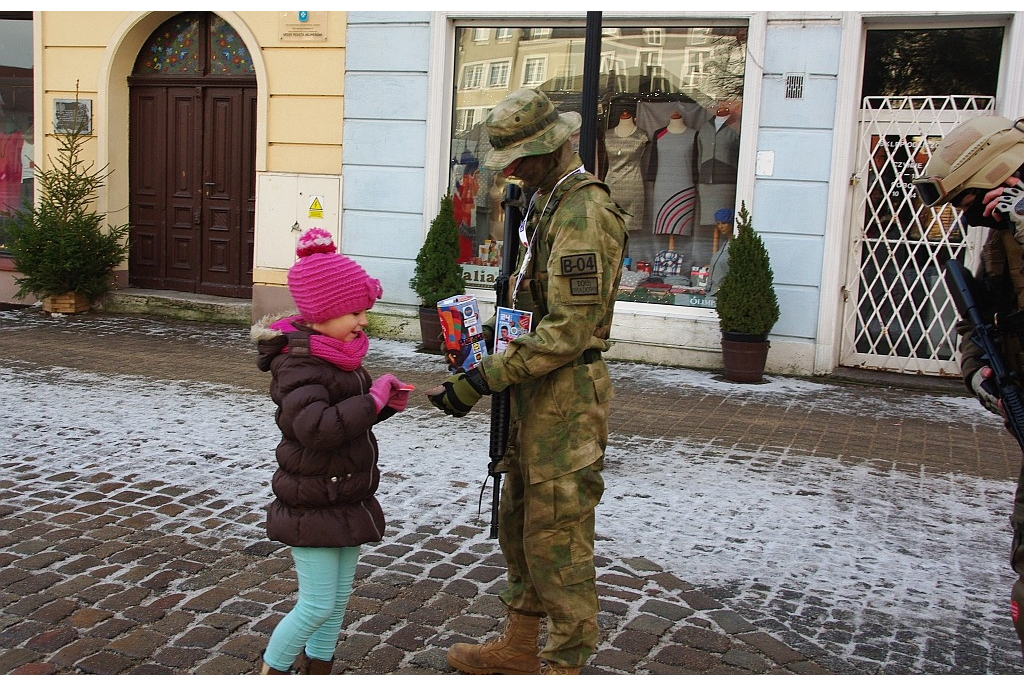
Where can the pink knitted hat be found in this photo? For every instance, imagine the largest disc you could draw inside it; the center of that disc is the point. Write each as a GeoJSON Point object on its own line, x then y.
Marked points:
{"type": "Point", "coordinates": [325, 284]}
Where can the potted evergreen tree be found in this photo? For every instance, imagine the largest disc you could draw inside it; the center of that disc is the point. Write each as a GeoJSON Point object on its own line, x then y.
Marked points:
{"type": "Point", "coordinates": [437, 275]}
{"type": "Point", "coordinates": [60, 246]}
{"type": "Point", "coordinates": [747, 305]}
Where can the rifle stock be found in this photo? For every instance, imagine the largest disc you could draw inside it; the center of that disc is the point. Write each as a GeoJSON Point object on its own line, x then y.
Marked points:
{"type": "Point", "coordinates": [986, 337]}
{"type": "Point", "coordinates": [501, 402]}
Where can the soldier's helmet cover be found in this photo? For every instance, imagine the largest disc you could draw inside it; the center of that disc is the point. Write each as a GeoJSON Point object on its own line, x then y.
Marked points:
{"type": "Point", "coordinates": [526, 123]}
{"type": "Point", "coordinates": [979, 153]}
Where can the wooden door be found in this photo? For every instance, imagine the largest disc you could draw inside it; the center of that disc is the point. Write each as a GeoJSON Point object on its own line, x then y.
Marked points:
{"type": "Point", "coordinates": [192, 188]}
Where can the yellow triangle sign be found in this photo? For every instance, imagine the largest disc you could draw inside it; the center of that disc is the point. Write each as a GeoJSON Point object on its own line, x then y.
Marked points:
{"type": "Point", "coordinates": [315, 205]}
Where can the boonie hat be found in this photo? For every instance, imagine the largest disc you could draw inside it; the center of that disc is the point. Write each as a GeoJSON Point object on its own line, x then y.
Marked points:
{"type": "Point", "coordinates": [979, 153]}
{"type": "Point", "coordinates": [526, 123]}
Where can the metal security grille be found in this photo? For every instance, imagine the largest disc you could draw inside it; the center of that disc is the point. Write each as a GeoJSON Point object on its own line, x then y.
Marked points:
{"type": "Point", "coordinates": [898, 315]}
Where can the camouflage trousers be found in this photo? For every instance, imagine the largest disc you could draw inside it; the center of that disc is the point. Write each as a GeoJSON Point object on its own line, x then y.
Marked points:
{"type": "Point", "coordinates": [546, 515]}
{"type": "Point", "coordinates": [546, 532]}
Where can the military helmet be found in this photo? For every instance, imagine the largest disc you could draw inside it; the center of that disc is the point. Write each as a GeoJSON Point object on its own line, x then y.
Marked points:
{"type": "Point", "coordinates": [979, 153]}
{"type": "Point", "coordinates": [526, 123]}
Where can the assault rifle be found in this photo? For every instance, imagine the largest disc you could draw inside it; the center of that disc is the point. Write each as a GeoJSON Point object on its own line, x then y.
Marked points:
{"type": "Point", "coordinates": [986, 337]}
{"type": "Point", "coordinates": [501, 402]}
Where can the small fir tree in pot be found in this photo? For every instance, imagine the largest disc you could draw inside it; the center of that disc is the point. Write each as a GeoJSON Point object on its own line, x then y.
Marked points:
{"type": "Point", "coordinates": [437, 275]}
{"type": "Point", "coordinates": [746, 303]}
{"type": "Point", "coordinates": [60, 246]}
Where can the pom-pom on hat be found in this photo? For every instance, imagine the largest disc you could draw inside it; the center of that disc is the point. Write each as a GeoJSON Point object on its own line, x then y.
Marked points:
{"type": "Point", "coordinates": [325, 284]}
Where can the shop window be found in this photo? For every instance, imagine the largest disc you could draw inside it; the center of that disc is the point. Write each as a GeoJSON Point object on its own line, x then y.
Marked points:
{"type": "Point", "coordinates": [16, 123]}
{"type": "Point", "coordinates": [667, 144]}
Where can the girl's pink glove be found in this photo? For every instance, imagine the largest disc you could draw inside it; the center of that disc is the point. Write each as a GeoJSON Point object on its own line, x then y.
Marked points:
{"type": "Point", "coordinates": [382, 388]}
{"type": "Point", "coordinates": [391, 392]}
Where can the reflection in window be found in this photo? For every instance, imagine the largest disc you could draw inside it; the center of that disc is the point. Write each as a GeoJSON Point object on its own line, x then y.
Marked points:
{"type": "Point", "coordinates": [17, 133]}
{"type": "Point", "coordinates": [498, 75]}
{"type": "Point", "coordinates": [932, 61]}
{"type": "Point", "coordinates": [667, 144]}
{"type": "Point", "coordinates": [471, 76]}
{"type": "Point", "coordinates": [534, 71]}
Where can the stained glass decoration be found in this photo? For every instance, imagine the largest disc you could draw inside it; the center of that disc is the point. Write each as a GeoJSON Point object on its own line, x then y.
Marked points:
{"type": "Point", "coordinates": [176, 48]}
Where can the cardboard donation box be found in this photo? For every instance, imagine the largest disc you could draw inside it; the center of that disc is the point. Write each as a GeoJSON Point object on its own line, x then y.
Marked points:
{"type": "Point", "coordinates": [463, 331]}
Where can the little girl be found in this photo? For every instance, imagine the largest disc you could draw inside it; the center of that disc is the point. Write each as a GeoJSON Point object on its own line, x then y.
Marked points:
{"type": "Point", "coordinates": [327, 404]}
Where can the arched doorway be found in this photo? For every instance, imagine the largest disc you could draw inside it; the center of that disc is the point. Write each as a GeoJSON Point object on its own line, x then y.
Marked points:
{"type": "Point", "coordinates": [192, 159]}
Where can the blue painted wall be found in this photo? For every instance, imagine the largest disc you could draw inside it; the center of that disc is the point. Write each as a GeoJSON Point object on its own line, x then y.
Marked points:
{"type": "Point", "coordinates": [384, 145]}
{"type": "Point", "coordinates": [790, 207]}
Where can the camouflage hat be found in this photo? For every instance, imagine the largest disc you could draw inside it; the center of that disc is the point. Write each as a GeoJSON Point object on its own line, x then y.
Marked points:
{"type": "Point", "coordinates": [979, 153]}
{"type": "Point", "coordinates": [525, 123]}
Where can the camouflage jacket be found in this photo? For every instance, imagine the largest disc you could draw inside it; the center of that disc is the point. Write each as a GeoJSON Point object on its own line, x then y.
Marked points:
{"type": "Point", "coordinates": [571, 281]}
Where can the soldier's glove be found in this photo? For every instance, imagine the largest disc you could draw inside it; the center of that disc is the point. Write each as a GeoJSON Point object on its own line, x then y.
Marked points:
{"type": "Point", "coordinates": [459, 392]}
{"type": "Point", "coordinates": [1010, 204]}
{"type": "Point", "coordinates": [984, 387]}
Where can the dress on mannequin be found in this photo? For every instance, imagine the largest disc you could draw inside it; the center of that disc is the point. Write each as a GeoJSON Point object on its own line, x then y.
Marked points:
{"type": "Point", "coordinates": [625, 146]}
{"type": "Point", "coordinates": [718, 153]}
{"type": "Point", "coordinates": [675, 196]}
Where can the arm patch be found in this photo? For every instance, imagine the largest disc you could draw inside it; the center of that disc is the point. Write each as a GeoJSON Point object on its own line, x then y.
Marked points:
{"type": "Point", "coordinates": [578, 264]}
{"type": "Point", "coordinates": [583, 286]}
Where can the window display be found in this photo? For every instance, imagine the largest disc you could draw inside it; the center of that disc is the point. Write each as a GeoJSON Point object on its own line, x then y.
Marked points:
{"type": "Point", "coordinates": [17, 134]}
{"type": "Point", "coordinates": [668, 122]}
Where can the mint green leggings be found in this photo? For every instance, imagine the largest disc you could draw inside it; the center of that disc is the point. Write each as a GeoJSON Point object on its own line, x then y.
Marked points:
{"type": "Point", "coordinates": [325, 583]}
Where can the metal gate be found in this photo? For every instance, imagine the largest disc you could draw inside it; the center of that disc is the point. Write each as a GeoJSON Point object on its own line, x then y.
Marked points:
{"type": "Point", "coordinates": [897, 313]}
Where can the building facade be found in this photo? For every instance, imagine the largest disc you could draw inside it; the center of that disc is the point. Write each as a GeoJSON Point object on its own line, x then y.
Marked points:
{"type": "Point", "coordinates": [359, 122]}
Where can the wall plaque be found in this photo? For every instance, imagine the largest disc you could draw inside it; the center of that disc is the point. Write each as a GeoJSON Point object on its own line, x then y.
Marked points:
{"type": "Point", "coordinates": [302, 26]}
{"type": "Point", "coordinates": [72, 115]}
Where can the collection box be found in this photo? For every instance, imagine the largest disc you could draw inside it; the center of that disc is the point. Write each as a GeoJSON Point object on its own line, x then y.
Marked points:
{"type": "Point", "coordinates": [463, 331]}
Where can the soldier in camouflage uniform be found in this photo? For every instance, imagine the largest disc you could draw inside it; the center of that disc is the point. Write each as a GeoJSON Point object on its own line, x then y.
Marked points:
{"type": "Point", "coordinates": [568, 277]}
{"type": "Point", "coordinates": [978, 168]}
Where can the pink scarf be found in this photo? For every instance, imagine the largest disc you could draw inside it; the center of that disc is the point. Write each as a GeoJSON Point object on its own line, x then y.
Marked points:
{"type": "Point", "coordinates": [345, 355]}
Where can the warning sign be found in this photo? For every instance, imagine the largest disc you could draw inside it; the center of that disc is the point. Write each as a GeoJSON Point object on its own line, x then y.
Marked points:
{"type": "Point", "coordinates": [316, 207]}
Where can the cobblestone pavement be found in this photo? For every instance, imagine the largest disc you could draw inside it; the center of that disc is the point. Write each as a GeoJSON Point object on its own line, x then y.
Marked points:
{"type": "Point", "coordinates": [114, 571]}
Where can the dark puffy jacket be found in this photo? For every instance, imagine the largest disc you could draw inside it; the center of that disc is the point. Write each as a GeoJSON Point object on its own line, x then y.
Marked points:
{"type": "Point", "coordinates": [327, 459]}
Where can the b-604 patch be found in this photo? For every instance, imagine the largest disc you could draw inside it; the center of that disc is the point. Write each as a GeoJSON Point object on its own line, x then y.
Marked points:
{"type": "Point", "coordinates": [581, 287]}
{"type": "Point", "coordinates": [579, 264]}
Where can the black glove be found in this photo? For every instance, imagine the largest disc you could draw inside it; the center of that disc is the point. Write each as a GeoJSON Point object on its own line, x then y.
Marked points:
{"type": "Point", "coordinates": [458, 393]}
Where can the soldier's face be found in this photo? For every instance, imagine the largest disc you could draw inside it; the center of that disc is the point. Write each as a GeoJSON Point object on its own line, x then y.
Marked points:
{"type": "Point", "coordinates": [530, 170]}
